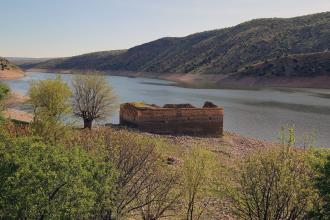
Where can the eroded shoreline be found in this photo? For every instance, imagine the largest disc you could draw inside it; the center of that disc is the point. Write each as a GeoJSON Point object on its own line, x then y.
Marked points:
{"type": "Point", "coordinates": [215, 81]}
{"type": "Point", "coordinates": [11, 74]}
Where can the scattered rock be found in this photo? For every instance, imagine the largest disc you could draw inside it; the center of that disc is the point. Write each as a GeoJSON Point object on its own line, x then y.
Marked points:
{"type": "Point", "coordinates": [173, 161]}
{"type": "Point", "coordinates": [18, 116]}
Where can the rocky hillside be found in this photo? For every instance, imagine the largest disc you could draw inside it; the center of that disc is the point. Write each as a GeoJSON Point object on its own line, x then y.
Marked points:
{"type": "Point", "coordinates": [257, 44]}
{"type": "Point", "coordinates": [304, 65]}
{"type": "Point", "coordinates": [9, 70]}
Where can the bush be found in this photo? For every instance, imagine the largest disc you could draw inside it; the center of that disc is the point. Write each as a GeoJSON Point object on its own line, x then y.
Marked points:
{"type": "Point", "coordinates": [199, 171]}
{"type": "Point", "coordinates": [322, 210]}
{"type": "Point", "coordinates": [276, 183]}
{"type": "Point", "coordinates": [51, 103]}
{"type": "Point", "coordinates": [41, 181]}
{"type": "Point", "coordinates": [144, 184]}
{"type": "Point", "coordinates": [4, 92]}
{"type": "Point", "coordinates": [50, 97]}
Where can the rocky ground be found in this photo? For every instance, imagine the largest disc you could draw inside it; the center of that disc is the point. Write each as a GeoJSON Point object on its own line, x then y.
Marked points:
{"type": "Point", "coordinates": [18, 116]}
{"type": "Point", "coordinates": [230, 144]}
{"type": "Point", "coordinates": [229, 150]}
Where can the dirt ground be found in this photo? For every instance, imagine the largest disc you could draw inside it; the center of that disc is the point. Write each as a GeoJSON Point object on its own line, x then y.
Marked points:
{"type": "Point", "coordinates": [11, 74]}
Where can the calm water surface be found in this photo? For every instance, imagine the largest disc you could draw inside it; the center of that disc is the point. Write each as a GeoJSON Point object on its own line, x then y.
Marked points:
{"type": "Point", "coordinates": [254, 113]}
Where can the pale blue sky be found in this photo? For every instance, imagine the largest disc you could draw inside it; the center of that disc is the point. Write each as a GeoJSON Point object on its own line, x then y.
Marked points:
{"type": "Point", "coordinates": [54, 28]}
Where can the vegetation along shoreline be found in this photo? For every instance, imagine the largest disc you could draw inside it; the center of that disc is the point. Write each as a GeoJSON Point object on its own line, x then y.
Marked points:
{"type": "Point", "coordinates": [114, 172]}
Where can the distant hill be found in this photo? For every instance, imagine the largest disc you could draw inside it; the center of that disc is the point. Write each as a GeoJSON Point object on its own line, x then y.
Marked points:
{"type": "Point", "coordinates": [82, 62]}
{"type": "Point", "coordinates": [9, 70]}
{"type": "Point", "coordinates": [222, 52]}
{"type": "Point", "coordinates": [26, 60]}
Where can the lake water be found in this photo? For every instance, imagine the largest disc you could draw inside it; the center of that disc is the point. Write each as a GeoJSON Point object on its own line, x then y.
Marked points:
{"type": "Point", "coordinates": [254, 113]}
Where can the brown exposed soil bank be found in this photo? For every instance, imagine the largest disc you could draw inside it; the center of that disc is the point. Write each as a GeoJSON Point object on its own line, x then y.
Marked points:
{"type": "Point", "coordinates": [319, 82]}
{"type": "Point", "coordinates": [218, 80]}
{"type": "Point", "coordinates": [12, 102]}
{"type": "Point", "coordinates": [18, 116]}
{"type": "Point", "coordinates": [15, 99]}
{"type": "Point", "coordinates": [11, 74]}
{"type": "Point", "coordinates": [231, 144]}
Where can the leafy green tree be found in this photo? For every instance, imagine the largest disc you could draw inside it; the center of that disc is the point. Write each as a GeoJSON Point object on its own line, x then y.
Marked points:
{"type": "Point", "coordinates": [50, 99]}
{"type": "Point", "coordinates": [93, 98]}
{"type": "Point", "coordinates": [39, 181]}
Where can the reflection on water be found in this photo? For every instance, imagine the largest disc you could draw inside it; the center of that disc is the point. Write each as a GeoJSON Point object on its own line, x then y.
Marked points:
{"type": "Point", "coordinates": [292, 107]}
{"type": "Point", "coordinates": [256, 113]}
{"type": "Point", "coordinates": [322, 95]}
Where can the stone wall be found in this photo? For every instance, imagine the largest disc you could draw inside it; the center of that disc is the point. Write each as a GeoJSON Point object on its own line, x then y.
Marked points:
{"type": "Point", "coordinates": [181, 119]}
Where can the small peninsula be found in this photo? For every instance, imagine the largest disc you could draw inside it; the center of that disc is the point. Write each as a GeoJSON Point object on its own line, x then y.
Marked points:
{"type": "Point", "coordinates": [9, 70]}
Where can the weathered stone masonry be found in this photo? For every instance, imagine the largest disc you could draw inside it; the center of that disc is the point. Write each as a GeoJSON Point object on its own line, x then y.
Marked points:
{"type": "Point", "coordinates": [182, 119]}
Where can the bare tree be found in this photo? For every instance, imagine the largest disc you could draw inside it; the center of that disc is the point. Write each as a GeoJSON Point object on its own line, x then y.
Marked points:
{"type": "Point", "coordinates": [161, 197]}
{"type": "Point", "coordinates": [93, 98]}
{"type": "Point", "coordinates": [274, 184]}
{"type": "Point", "coordinates": [198, 173]}
{"type": "Point", "coordinates": [142, 184]}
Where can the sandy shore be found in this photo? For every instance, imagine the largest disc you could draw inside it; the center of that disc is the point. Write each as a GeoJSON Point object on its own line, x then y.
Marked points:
{"type": "Point", "coordinates": [18, 116]}
{"type": "Point", "coordinates": [217, 80]}
{"type": "Point", "coordinates": [15, 99]}
{"type": "Point", "coordinates": [11, 74]}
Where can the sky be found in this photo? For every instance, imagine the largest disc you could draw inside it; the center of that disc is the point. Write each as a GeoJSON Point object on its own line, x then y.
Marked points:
{"type": "Point", "coordinates": [58, 28]}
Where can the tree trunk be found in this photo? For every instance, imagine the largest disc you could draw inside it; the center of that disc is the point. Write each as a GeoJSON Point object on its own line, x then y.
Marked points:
{"type": "Point", "coordinates": [88, 123]}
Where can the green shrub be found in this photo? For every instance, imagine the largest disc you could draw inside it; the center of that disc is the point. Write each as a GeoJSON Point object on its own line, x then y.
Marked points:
{"type": "Point", "coordinates": [51, 103]}
{"type": "Point", "coordinates": [322, 208]}
{"type": "Point", "coordinates": [42, 181]}
{"type": "Point", "coordinates": [4, 92]}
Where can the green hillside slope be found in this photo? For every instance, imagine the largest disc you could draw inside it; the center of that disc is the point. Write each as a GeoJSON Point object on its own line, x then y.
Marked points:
{"type": "Point", "coordinates": [223, 51]}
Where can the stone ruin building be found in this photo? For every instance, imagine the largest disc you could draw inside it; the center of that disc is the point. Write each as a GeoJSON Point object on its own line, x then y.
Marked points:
{"type": "Point", "coordinates": [174, 119]}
